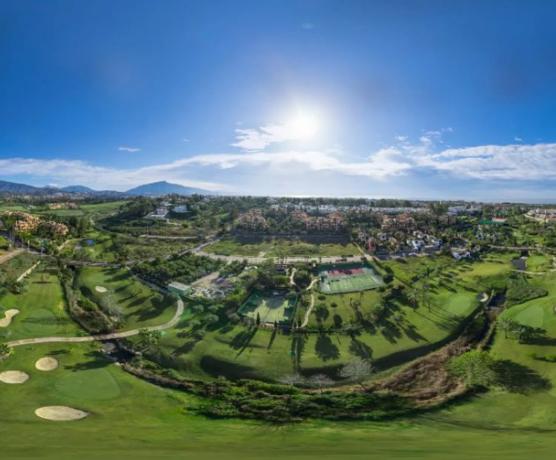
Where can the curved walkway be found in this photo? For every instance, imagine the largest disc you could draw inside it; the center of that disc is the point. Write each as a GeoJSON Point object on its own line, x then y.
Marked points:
{"type": "Point", "coordinates": [100, 337]}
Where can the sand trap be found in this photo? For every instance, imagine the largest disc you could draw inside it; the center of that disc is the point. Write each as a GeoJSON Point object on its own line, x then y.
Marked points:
{"type": "Point", "coordinates": [60, 413]}
{"type": "Point", "coordinates": [48, 363]}
{"type": "Point", "coordinates": [13, 377]}
{"type": "Point", "coordinates": [8, 315]}
{"type": "Point", "coordinates": [484, 297]}
{"type": "Point", "coordinates": [100, 289]}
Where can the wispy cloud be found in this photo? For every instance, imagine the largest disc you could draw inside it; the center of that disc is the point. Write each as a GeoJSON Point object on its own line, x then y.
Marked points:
{"type": "Point", "coordinates": [259, 139]}
{"type": "Point", "coordinates": [513, 162]}
{"type": "Point", "coordinates": [124, 148]}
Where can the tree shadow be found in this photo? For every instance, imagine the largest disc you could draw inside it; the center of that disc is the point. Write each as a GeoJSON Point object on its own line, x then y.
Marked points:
{"type": "Point", "coordinates": [360, 349]}
{"type": "Point", "coordinates": [517, 378]}
{"type": "Point", "coordinates": [325, 349]}
{"type": "Point", "coordinates": [242, 339]}
{"type": "Point", "coordinates": [97, 361]}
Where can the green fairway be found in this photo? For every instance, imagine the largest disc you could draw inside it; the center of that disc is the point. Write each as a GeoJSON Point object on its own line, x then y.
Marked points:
{"type": "Point", "coordinates": [41, 308]}
{"type": "Point", "coordinates": [120, 293]}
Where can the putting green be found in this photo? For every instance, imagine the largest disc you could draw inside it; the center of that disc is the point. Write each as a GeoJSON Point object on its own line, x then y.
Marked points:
{"type": "Point", "coordinates": [89, 384]}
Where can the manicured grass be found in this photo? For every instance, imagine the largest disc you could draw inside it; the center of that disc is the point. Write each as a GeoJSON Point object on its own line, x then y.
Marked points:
{"type": "Point", "coordinates": [135, 303]}
{"type": "Point", "coordinates": [280, 248]}
{"type": "Point", "coordinates": [42, 309]}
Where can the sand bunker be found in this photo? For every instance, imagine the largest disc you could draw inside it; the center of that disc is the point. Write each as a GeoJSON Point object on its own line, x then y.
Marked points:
{"type": "Point", "coordinates": [13, 377]}
{"type": "Point", "coordinates": [60, 413]}
{"type": "Point", "coordinates": [8, 315]}
{"type": "Point", "coordinates": [100, 289]}
{"type": "Point", "coordinates": [48, 363]}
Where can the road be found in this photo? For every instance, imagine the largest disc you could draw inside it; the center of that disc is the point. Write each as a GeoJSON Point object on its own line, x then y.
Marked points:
{"type": "Point", "coordinates": [99, 337]}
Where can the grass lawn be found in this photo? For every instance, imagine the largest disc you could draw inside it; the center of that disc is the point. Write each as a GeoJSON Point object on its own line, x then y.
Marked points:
{"type": "Point", "coordinates": [42, 309]}
{"type": "Point", "coordinates": [137, 304]}
{"type": "Point", "coordinates": [280, 248]}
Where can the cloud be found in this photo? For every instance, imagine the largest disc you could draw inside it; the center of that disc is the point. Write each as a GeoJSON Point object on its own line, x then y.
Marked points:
{"type": "Point", "coordinates": [123, 148]}
{"type": "Point", "coordinates": [259, 139]}
{"type": "Point", "coordinates": [237, 172]}
{"type": "Point", "coordinates": [308, 26]}
{"type": "Point", "coordinates": [71, 172]}
{"type": "Point", "coordinates": [518, 139]}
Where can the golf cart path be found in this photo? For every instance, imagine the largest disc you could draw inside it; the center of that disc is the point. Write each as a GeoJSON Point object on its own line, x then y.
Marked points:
{"type": "Point", "coordinates": [111, 336]}
{"type": "Point", "coordinates": [308, 312]}
{"type": "Point", "coordinates": [10, 255]}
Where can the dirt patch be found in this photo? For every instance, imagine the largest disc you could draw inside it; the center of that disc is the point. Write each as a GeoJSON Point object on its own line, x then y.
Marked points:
{"type": "Point", "coordinates": [60, 413]}
{"type": "Point", "coordinates": [46, 364]}
{"type": "Point", "coordinates": [101, 289]}
{"type": "Point", "coordinates": [13, 377]}
{"type": "Point", "coordinates": [8, 315]}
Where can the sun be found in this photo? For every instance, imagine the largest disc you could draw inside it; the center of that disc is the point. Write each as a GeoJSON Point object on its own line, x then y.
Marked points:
{"type": "Point", "coordinates": [304, 125]}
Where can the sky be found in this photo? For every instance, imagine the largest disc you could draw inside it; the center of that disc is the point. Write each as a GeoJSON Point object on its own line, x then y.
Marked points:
{"type": "Point", "coordinates": [396, 99]}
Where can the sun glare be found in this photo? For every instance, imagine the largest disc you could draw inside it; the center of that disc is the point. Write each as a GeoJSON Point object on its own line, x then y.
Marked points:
{"type": "Point", "coordinates": [304, 125]}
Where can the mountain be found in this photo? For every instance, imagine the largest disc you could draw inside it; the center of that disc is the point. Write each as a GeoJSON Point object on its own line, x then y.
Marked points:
{"type": "Point", "coordinates": [18, 189]}
{"type": "Point", "coordinates": [165, 188]}
{"type": "Point", "coordinates": [77, 189]}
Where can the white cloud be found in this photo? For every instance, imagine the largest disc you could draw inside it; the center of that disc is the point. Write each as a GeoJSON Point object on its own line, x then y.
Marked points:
{"type": "Point", "coordinates": [71, 172]}
{"type": "Point", "coordinates": [123, 148]}
{"type": "Point", "coordinates": [259, 139]}
{"type": "Point", "coordinates": [514, 162]}
{"type": "Point", "coordinates": [518, 139]}
{"type": "Point", "coordinates": [308, 26]}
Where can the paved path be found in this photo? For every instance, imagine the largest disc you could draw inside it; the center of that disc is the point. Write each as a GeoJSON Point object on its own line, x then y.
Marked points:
{"type": "Point", "coordinates": [91, 338]}
{"type": "Point", "coordinates": [308, 312]}
{"type": "Point", "coordinates": [10, 255]}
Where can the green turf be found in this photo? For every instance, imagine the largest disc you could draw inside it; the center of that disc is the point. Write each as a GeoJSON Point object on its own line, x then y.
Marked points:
{"type": "Point", "coordinates": [134, 302]}
{"type": "Point", "coordinates": [42, 309]}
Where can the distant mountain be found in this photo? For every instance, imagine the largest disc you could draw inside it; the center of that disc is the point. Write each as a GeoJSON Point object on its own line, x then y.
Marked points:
{"type": "Point", "coordinates": [18, 189]}
{"type": "Point", "coordinates": [154, 189]}
{"type": "Point", "coordinates": [77, 189]}
{"type": "Point", "coordinates": [165, 188]}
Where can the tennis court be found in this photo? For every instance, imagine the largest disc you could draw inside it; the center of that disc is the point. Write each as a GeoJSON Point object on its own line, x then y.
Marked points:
{"type": "Point", "coordinates": [338, 279]}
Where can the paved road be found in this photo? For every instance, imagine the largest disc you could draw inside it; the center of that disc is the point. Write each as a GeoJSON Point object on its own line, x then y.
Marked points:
{"type": "Point", "coordinates": [91, 338]}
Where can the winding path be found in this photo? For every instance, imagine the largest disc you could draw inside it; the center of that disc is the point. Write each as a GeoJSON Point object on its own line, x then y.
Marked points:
{"type": "Point", "coordinates": [99, 337]}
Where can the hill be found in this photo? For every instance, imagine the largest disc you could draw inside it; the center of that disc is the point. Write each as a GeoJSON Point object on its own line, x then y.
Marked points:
{"type": "Point", "coordinates": [164, 188]}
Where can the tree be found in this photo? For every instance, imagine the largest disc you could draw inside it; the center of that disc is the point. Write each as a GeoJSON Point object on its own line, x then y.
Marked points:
{"type": "Point", "coordinates": [507, 325]}
{"type": "Point", "coordinates": [320, 381]}
{"type": "Point", "coordinates": [357, 370]}
{"type": "Point", "coordinates": [4, 350]}
{"type": "Point", "coordinates": [148, 340]}
{"type": "Point", "coordinates": [292, 379]}
{"type": "Point", "coordinates": [258, 321]}
{"type": "Point", "coordinates": [475, 368]}
{"type": "Point", "coordinates": [413, 296]}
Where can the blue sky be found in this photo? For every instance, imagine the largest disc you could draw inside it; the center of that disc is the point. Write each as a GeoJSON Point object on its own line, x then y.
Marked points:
{"type": "Point", "coordinates": [411, 99]}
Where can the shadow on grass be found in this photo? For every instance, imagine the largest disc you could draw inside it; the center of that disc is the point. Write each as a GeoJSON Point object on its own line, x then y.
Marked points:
{"type": "Point", "coordinates": [97, 361]}
{"type": "Point", "coordinates": [517, 378]}
{"type": "Point", "coordinates": [325, 349]}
